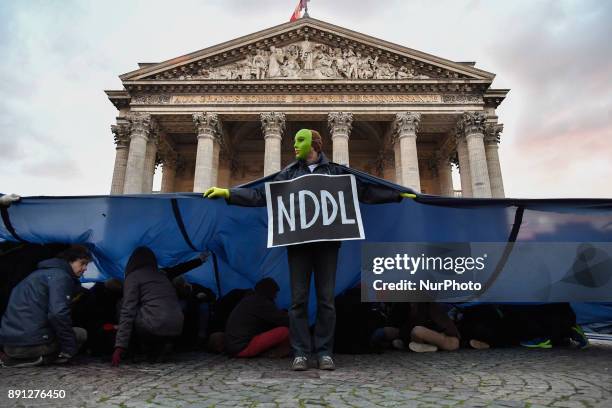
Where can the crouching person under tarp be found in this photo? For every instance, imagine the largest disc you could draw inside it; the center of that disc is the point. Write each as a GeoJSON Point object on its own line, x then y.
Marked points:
{"type": "Point", "coordinates": [256, 326]}
{"type": "Point", "coordinates": [151, 316]}
{"type": "Point", "coordinates": [37, 327]}
{"type": "Point", "coordinates": [531, 326]}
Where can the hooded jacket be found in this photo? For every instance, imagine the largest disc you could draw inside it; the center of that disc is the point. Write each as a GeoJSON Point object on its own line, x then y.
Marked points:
{"type": "Point", "coordinates": [254, 315]}
{"type": "Point", "coordinates": [368, 193]}
{"type": "Point", "coordinates": [39, 308]}
{"type": "Point", "coordinates": [149, 300]}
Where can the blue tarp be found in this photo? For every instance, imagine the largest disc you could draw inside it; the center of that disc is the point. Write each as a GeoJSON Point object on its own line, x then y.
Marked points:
{"type": "Point", "coordinates": [114, 225]}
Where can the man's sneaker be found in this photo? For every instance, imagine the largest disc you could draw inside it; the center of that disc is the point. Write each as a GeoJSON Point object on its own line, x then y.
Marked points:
{"type": "Point", "coordinates": [422, 347]}
{"type": "Point", "coordinates": [577, 335]}
{"type": "Point", "coordinates": [299, 364]}
{"type": "Point", "coordinates": [21, 362]}
{"type": "Point", "coordinates": [537, 343]}
{"type": "Point", "coordinates": [326, 363]}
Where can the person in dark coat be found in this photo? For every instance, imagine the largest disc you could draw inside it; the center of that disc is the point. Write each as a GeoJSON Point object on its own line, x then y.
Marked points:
{"type": "Point", "coordinates": [151, 315]}
{"type": "Point", "coordinates": [257, 326]}
{"type": "Point", "coordinates": [532, 326]}
{"type": "Point", "coordinates": [318, 258]}
{"type": "Point", "coordinates": [18, 260]}
{"type": "Point", "coordinates": [37, 327]}
{"type": "Point", "coordinates": [221, 311]}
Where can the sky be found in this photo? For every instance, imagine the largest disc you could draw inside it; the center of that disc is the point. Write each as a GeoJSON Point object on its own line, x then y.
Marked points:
{"type": "Point", "coordinates": [57, 57]}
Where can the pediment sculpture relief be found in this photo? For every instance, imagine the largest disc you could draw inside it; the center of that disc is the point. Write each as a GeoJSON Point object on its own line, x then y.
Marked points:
{"type": "Point", "coordinates": [307, 60]}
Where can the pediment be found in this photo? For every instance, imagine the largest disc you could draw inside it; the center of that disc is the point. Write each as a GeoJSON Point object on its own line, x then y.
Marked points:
{"type": "Point", "coordinates": [306, 49]}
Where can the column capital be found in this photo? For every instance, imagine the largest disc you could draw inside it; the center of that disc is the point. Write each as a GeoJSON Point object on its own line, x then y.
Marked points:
{"type": "Point", "coordinates": [140, 125]}
{"type": "Point", "coordinates": [207, 125]}
{"type": "Point", "coordinates": [272, 124]}
{"type": "Point", "coordinates": [340, 123]}
{"type": "Point", "coordinates": [406, 124]}
{"type": "Point", "coordinates": [121, 134]}
{"type": "Point", "coordinates": [493, 133]}
{"type": "Point", "coordinates": [471, 123]}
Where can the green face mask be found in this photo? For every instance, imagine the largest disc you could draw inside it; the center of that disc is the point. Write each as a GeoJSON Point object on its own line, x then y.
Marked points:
{"type": "Point", "coordinates": [303, 144]}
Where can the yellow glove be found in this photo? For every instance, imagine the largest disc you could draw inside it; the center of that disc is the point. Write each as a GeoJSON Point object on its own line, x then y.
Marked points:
{"type": "Point", "coordinates": [407, 195]}
{"type": "Point", "coordinates": [216, 192]}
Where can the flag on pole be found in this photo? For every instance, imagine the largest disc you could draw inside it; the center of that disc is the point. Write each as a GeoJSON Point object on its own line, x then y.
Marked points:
{"type": "Point", "coordinates": [300, 6]}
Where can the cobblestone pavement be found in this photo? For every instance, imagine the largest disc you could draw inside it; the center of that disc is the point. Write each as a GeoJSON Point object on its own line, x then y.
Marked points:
{"type": "Point", "coordinates": [502, 377]}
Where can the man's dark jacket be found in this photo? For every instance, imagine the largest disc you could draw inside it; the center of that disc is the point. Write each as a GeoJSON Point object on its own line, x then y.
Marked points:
{"type": "Point", "coordinates": [254, 315]}
{"type": "Point", "coordinates": [368, 193]}
{"type": "Point", "coordinates": [39, 308]}
{"type": "Point", "coordinates": [149, 300]}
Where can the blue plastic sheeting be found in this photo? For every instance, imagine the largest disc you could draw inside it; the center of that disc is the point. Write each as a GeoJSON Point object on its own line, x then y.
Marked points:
{"type": "Point", "coordinates": [113, 226]}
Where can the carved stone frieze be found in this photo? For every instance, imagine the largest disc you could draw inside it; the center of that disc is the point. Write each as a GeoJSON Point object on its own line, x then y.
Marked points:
{"type": "Point", "coordinates": [303, 60]}
{"type": "Point", "coordinates": [451, 98]}
{"type": "Point", "coordinates": [291, 98]}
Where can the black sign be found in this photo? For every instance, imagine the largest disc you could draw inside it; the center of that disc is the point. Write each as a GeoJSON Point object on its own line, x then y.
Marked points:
{"type": "Point", "coordinates": [314, 207]}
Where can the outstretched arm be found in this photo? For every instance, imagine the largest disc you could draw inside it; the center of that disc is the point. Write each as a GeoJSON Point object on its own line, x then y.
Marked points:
{"type": "Point", "coordinates": [371, 193]}
{"type": "Point", "coordinates": [184, 267]}
{"type": "Point", "coordinates": [247, 197]}
{"type": "Point", "coordinates": [244, 196]}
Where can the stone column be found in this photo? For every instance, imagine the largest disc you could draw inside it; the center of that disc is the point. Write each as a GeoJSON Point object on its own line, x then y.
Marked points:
{"type": "Point", "coordinates": [406, 128]}
{"type": "Point", "coordinates": [473, 124]}
{"type": "Point", "coordinates": [207, 156]}
{"type": "Point", "coordinates": [445, 176]}
{"type": "Point", "coordinates": [340, 124]}
{"type": "Point", "coordinates": [398, 161]}
{"type": "Point", "coordinates": [168, 175]}
{"type": "Point", "coordinates": [150, 160]}
{"type": "Point", "coordinates": [491, 140]}
{"type": "Point", "coordinates": [464, 164]}
{"type": "Point", "coordinates": [169, 159]}
{"type": "Point", "coordinates": [140, 124]}
{"type": "Point", "coordinates": [121, 133]}
{"type": "Point", "coordinates": [272, 126]}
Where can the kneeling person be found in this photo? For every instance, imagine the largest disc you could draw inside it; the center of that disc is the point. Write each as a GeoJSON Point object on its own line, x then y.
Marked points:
{"type": "Point", "coordinates": [37, 325]}
{"type": "Point", "coordinates": [256, 325]}
{"type": "Point", "coordinates": [151, 317]}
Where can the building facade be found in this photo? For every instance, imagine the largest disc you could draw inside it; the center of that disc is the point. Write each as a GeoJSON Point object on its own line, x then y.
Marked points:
{"type": "Point", "coordinates": [227, 114]}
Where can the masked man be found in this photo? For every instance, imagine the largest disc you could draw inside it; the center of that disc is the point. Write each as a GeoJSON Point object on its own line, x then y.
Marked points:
{"type": "Point", "coordinates": [318, 257]}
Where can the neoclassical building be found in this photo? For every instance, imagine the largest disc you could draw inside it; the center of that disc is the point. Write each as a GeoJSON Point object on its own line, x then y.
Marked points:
{"type": "Point", "coordinates": [227, 114]}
